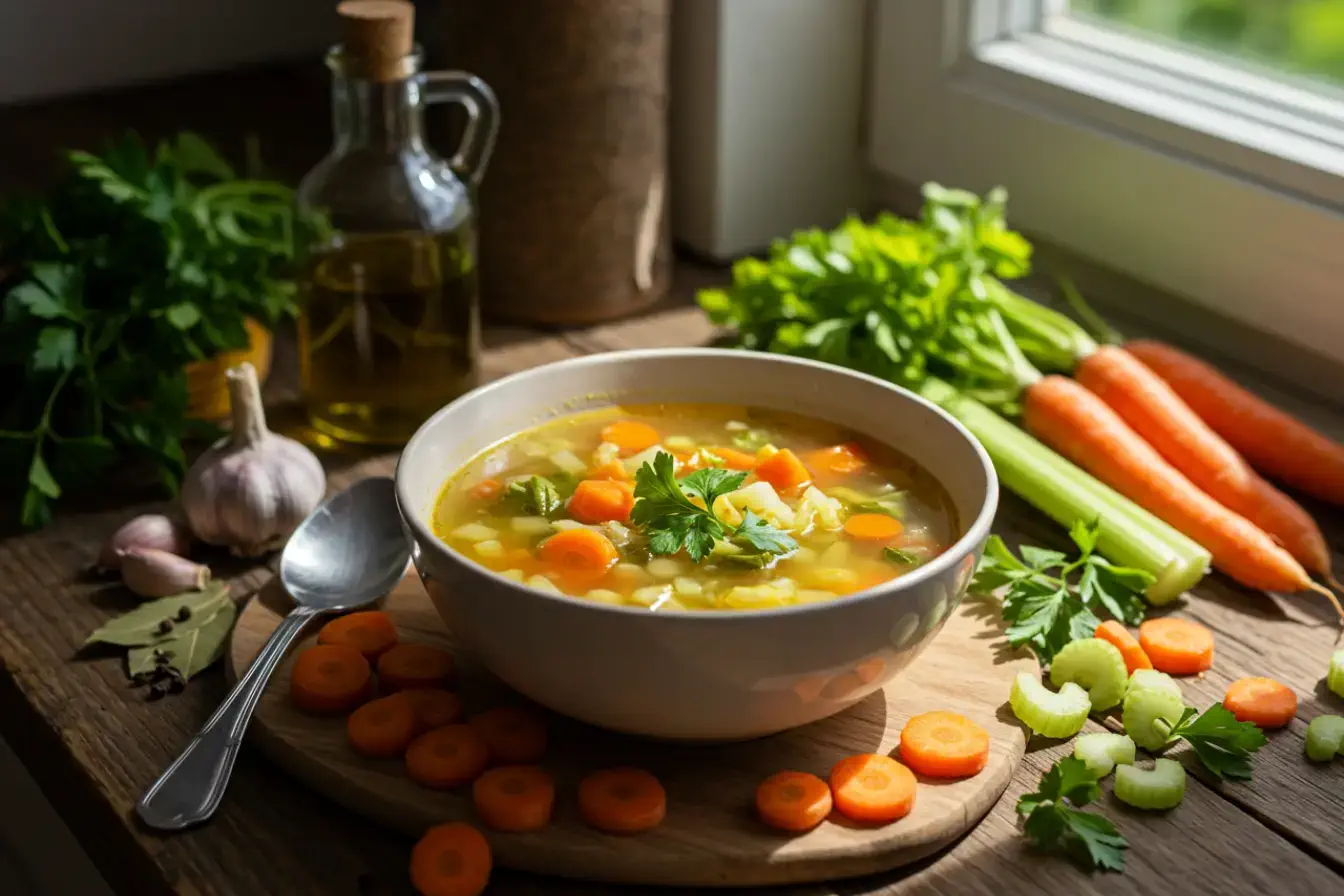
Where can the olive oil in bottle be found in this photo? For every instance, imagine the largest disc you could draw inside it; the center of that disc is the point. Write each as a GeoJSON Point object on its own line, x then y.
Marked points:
{"type": "Point", "coordinates": [389, 304]}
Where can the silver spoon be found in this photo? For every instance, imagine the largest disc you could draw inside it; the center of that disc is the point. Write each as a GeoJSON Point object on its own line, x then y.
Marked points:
{"type": "Point", "coordinates": [350, 551]}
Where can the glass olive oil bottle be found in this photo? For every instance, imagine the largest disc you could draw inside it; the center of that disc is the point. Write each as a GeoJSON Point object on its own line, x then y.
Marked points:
{"type": "Point", "coordinates": [389, 323]}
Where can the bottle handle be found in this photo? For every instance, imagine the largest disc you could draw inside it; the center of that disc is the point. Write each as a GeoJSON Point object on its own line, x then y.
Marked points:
{"type": "Point", "coordinates": [478, 140]}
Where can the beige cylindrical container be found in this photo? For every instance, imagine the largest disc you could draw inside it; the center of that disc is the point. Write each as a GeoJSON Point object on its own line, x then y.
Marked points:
{"type": "Point", "coordinates": [574, 221]}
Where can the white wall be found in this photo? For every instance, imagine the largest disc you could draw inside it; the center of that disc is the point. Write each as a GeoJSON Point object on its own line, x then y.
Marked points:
{"type": "Point", "coordinates": [55, 47]}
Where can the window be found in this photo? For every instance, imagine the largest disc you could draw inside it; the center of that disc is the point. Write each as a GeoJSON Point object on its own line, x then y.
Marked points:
{"type": "Point", "coordinates": [1197, 145]}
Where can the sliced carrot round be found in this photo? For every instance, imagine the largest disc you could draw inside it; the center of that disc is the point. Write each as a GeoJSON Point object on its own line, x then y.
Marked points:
{"type": "Point", "coordinates": [872, 789]}
{"type": "Point", "coordinates": [579, 550]}
{"type": "Point", "coordinates": [1119, 637]}
{"type": "Point", "coordinates": [330, 678]}
{"type": "Point", "coordinates": [601, 501]}
{"type": "Point", "coordinates": [841, 460]}
{"type": "Point", "coordinates": [408, 666]}
{"type": "Point", "coordinates": [631, 436]}
{"type": "Point", "coordinates": [793, 801]}
{"type": "Point", "coordinates": [734, 459]}
{"type": "Point", "coordinates": [514, 798]}
{"type": "Point", "coordinates": [382, 728]}
{"type": "Point", "coordinates": [446, 757]}
{"type": "Point", "coordinates": [434, 708]}
{"type": "Point", "coordinates": [486, 490]}
{"type": "Point", "coordinates": [371, 632]}
{"type": "Point", "coordinates": [513, 735]}
{"type": "Point", "coordinates": [622, 800]}
{"type": "Point", "coordinates": [873, 527]}
{"type": "Point", "coordinates": [783, 470]}
{"type": "Point", "coordinates": [1177, 646]}
{"type": "Point", "coordinates": [944, 745]}
{"type": "Point", "coordinates": [451, 860]}
{"type": "Point", "coordinates": [1263, 702]}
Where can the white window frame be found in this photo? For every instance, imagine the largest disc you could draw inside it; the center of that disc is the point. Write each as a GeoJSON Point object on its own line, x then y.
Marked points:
{"type": "Point", "coordinates": [1181, 171]}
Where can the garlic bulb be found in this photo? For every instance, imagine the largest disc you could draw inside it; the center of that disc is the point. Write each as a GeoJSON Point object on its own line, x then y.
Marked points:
{"type": "Point", "coordinates": [154, 573]}
{"type": "Point", "coordinates": [149, 530]}
{"type": "Point", "coordinates": [251, 489]}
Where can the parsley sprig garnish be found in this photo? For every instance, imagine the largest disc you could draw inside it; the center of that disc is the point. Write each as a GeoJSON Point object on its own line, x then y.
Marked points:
{"type": "Point", "coordinates": [664, 509]}
{"type": "Point", "coordinates": [1052, 600]}
{"type": "Point", "coordinates": [1055, 823]}
{"type": "Point", "coordinates": [1222, 744]}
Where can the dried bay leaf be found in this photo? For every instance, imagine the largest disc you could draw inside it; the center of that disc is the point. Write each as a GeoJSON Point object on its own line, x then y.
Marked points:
{"type": "Point", "coordinates": [189, 651]}
{"type": "Point", "coordinates": [141, 627]}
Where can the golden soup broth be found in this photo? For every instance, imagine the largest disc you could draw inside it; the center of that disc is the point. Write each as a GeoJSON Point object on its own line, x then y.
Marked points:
{"type": "Point", "coordinates": [864, 515]}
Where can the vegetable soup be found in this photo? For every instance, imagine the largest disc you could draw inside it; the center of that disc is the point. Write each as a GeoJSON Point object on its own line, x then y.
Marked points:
{"type": "Point", "coordinates": [695, 507]}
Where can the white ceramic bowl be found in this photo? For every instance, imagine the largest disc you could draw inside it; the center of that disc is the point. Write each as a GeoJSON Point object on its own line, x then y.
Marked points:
{"type": "Point", "coordinates": [686, 675]}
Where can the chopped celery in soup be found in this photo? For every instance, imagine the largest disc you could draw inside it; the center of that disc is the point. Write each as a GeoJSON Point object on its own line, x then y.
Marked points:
{"type": "Point", "coordinates": [695, 507]}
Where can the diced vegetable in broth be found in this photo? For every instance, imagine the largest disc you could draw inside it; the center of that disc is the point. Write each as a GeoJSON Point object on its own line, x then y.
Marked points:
{"type": "Point", "coordinates": [675, 517]}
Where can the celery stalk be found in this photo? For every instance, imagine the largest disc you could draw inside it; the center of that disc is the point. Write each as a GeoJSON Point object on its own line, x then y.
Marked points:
{"type": "Point", "coordinates": [1130, 535]}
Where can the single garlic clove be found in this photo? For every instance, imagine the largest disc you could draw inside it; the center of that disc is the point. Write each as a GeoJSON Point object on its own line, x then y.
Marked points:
{"type": "Point", "coordinates": [149, 530]}
{"type": "Point", "coordinates": [150, 572]}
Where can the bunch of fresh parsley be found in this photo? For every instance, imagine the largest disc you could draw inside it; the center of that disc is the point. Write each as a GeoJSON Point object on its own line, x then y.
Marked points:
{"type": "Point", "coordinates": [1044, 606]}
{"type": "Point", "coordinates": [135, 264]}
{"type": "Point", "coordinates": [666, 513]}
{"type": "Point", "coordinates": [1055, 821]}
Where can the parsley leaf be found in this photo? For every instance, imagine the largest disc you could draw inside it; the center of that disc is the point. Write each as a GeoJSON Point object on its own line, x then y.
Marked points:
{"type": "Point", "coordinates": [673, 521]}
{"type": "Point", "coordinates": [1044, 607]}
{"type": "Point", "coordinates": [1055, 823]}
{"type": "Point", "coordinates": [1224, 745]}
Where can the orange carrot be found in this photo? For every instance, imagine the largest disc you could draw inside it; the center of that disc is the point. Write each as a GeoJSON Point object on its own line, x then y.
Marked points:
{"type": "Point", "coordinates": [840, 460]}
{"type": "Point", "coordinates": [601, 500]}
{"type": "Point", "coordinates": [434, 708]}
{"type": "Point", "coordinates": [631, 436]}
{"type": "Point", "coordinates": [408, 666]}
{"type": "Point", "coordinates": [1263, 702]}
{"type": "Point", "coordinates": [371, 632]}
{"type": "Point", "coordinates": [486, 490]}
{"type": "Point", "coordinates": [873, 527]}
{"type": "Point", "coordinates": [783, 470]}
{"type": "Point", "coordinates": [446, 757]}
{"type": "Point", "coordinates": [514, 735]}
{"type": "Point", "coordinates": [944, 745]}
{"type": "Point", "coordinates": [734, 459]}
{"type": "Point", "coordinates": [580, 550]}
{"type": "Point", "coordinates": [793, 801]}
{"type": "Point", "coordinates": [1274, 442]}
{"type": "Point", "coordinates": [514, 798]}
{"type": "Point", "coordinates": [451, 860]}
{"type": "Point", "coordinates": [384, 727]}
{"type": "Point", "coordinates": [330, 678]}
{"type": "Point", "coordinates": [1148, 404]}
{"type": "Point", "coordinates": [1177, 646]}
{"type": "Point", "coordinates": [872, 789]}
{"type": "Point", "coordinates": [614, 471]}
{"type": "Point", "coordinates": [1080, 426]}
{"type": "Point", "coordinates": [1119, 637]}
{"type": "Point", "coordinates": [622, 801]}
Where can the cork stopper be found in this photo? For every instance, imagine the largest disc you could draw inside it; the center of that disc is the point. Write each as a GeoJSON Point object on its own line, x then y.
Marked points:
{"type": "Point", "coordinates": [379, 35]}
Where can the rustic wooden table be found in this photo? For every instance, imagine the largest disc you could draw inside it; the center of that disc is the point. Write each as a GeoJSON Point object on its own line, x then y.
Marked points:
{"type": "Point", "coordinates": [93, 744]}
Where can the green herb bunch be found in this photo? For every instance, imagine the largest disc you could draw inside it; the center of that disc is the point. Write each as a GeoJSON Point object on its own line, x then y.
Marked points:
{"type": "Point", "coordinates": [134, 265]}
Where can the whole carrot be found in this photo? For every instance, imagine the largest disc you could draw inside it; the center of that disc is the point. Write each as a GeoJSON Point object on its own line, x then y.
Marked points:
{"type": "Point", "coordinates": [1079, 425]}
{"type": "Point", "coordinates": [1157, 413]}
{"type": "Point", "coordinates": [1274, 442]}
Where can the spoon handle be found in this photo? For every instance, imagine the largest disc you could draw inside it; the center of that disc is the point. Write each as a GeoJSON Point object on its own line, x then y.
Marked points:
{"type": "Point", "coordinates": [190, 790]}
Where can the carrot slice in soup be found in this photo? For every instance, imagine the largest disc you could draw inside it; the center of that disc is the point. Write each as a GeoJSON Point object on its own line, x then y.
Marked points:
{"type": "Point", "coordinates": [602, 500]}
{"type": "Point", "coordinates": [384, 727]}
{"type": "Point", "coordinates": [734, 459]}
{"type": "Point", "coordinates": [793, 801]}
{"type": "Point", "coordinates": [622, 801]}
{"type": "Point", "coordinates": [614, 471]}
{"type": "Point", "coordinates": [330, 678]}
{"type": "Point", "coordinates": [1122, 640]}
{"type": "Point", "coordinates": [446, 757]}
{"type": "Point", "coordinates": [944, 745]}
{"type": "Point", "coordinates": [783, 470]}
{"type": "Point", "coordinates": [371, 632]}
{"type": "Point", "coordinates": [872, 789]}
{"type": "Point", "coordinates": [631, 436]}
{"type": "Point", "coordinates": [579, 550]}
{"type": "Point", "coordinates": [486, 490]}
{"type": "Point", "coordinates": [873, 527]}
{"type": "Point", "coordinates": [451, 860]}
{"type": "Point", "coordinates": [408, 666]}
{"type": "Point", "coordinates": [1177, 646]}
{"type": "Point", "coordinates": [514, 735]}
{"type": "Point", "coordinates": [840, 460]}
{"type": "Point", "coordinates": [1263, 702]}
{"type": "Point", "coordinates": [514, 798]}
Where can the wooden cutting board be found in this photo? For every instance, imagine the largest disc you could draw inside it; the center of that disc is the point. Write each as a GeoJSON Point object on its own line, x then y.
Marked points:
{"type": "Point", "coordinates": [710, 836]}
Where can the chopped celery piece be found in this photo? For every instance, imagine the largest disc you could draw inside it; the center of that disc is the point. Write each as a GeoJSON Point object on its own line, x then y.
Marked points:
{"type": "Point", "coordinates": [1153, 680]}
{"type": "Point", "coordinates": [1047, 713]}
{"type": "Point", "coordinates": [474, 532]}
{"type": "Point", "coordinates": [1334, 679]}
{"type": "Point", "coordinates": [1102, 752]}
{"type": "Point", "coordinates": [1325, 738]}
{"type": "Point", "coordinates": [1159, 787]}
{"type": "Point", "coordinates": [1143, 707]}
{"type": "Point", "coordinates": [1094, 664]}
{"type": "Point", "coordinates": [530, 525]}
{"type": "Point", "coordinates": [569, 462]}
